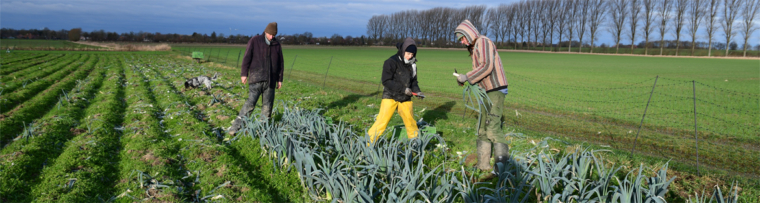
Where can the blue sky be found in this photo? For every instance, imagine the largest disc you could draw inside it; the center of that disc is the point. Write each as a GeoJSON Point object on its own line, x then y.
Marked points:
{"type": "Point", "coordinates": [322, 18]}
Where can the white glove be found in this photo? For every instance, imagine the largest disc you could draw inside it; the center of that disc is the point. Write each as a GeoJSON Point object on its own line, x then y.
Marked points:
{"type": "Point", "coordinates": [461, 78]}
{"type": "Point", "coordinates": [408, 92]}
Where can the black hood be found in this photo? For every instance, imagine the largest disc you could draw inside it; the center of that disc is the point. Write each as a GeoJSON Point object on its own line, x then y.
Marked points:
{"type": "Point", "coordinates": [403, 45]}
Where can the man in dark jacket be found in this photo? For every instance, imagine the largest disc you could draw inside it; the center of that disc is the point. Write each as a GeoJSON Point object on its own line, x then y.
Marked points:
{"type": "Point", "coordinates": [400, 81]}
{"type": "Point", "coordinates": [262, 70]}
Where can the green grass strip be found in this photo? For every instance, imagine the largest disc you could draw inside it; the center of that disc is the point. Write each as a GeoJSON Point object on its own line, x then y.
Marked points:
{"type": "Point", "coordinates": [147, 149]}
{"type": "Point", "coordinates": [10, 100]}
{"type": "Point", "coordinates": [12, 58]}
{"type": "Point", "coordinates": [22, 79]}
{"type": "Point", "coordinates": [40, 104]}
{"type": "Point", "coordinates": [282, 186]}
{"type": "Point", "coordinates": [23, 160]}
{"type": "Point", "coordinates": [18, 69]}
{"type": "Point", "coordinates": [87, 169]}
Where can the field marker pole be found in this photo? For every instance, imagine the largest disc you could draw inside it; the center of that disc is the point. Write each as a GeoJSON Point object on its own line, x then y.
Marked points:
{"type": "Point", "coordinates": [226, 56]}
{"type": "Point", "coordinates": [291, 66]}
{"type": "Point", "coordinates": [218, 54]}
{"type": "Point", "coordinates": [238, 61]}
{"type": "Point", "coordinates": [645, 115]}
{"type": "Point", "coordinates": [328, 70]}
{"type": "Point", "coordinates": [696, 139]}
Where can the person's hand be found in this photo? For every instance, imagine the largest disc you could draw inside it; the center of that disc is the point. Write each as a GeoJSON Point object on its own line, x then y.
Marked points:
{"type": "Point", "coordinates": [243, 79]}
{"type": "Point", "coordinates": [461, 78]}
{"type": "Point", "coordinates": [279, 85]}
{"type": "Point", "coordinates": [408, 92]}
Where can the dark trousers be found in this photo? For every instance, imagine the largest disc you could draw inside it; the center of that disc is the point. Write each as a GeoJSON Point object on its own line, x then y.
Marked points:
{"type": "Point", "coordinates": [263, 89]}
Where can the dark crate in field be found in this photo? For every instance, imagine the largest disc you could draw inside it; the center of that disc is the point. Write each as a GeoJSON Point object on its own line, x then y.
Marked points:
{"type": "Point", "coordinates": [197, 56]}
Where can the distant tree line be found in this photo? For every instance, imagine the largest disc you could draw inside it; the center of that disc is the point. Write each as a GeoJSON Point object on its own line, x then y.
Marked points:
{"type": "Point", "coordinates": [77, 34]}
{"type": "Point", "coordinates": [552, 24]}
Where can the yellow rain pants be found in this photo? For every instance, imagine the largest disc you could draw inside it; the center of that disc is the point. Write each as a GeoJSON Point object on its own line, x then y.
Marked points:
{"type": "Point", "coordinates": [387, 107]}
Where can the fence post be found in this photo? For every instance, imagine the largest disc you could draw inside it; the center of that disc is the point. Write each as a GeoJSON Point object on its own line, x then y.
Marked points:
{"type": "Point", "coordinates": [218, 53]}
{"type": "Point", "coordinates": [226, 56]}
{"type": "Point", "coordinates": [643, 116]}
{"type": "Point", "coordinates": [238, 60]}
{"type": "Point", "coordinates": [378, 89]}
{"type": "Point", "coordinates": [328, 70]}
{"type": "Point", "coordinates": [291, 66]}
{"type": "Point", "coordinates": [696, 139]}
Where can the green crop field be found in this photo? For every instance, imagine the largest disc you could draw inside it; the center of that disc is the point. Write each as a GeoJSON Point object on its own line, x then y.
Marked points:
{"type": "Point", "coordinates": [591, 98]}
{"type": "Point", "coordinates": [118, 126]}
{"type": "Point", "coordinates": [39, 44]}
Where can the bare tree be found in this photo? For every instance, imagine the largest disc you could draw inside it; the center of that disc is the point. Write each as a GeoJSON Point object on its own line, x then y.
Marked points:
{"type": "Point", "coordinates": [730, 11]}
{"type": "Point", "coordinates": [574, 20]}
{"type": "Point", "coordinates": [376, 26]}
{"type": "Point", "coordinates": [495, 23]}
{"type": "Point", "coordinates": [748, 16]}
{"type": "Point", "coordinates": [665, 9]}
{"type": "Point", "coordinates": [712, 16]}
{"type": "Point", "coordinates": [529, 19]}
{"type": "Point", "coordinates": [618, 13]}
{"type": "Point", "coordinates": [561, 9]}
{"type": "Point", "coordinates": [583, 18]}
{"type": "Point", "coordinates": [681, 6]}
{"type": "Point", "coordinates": [548, 21]}
{"type": "Point", "coordinates": [510, 20]}
{"type": "Point", "coordinates": [538, 21]}
{"type": "Point", "coordinates": [634, 20]}
{"type": "Point", "coordinates": [649, 10]}
{"type": "Point", "coordinates": [696, 13]}
{"type": "Point", "coordinates": [521, 21]}
{"type": "Point", "coordinates": [533, 21]}
{"type": "Point", "coordinates": [597, 11]}
{"type": "Point", "coordinates": [566, 21]}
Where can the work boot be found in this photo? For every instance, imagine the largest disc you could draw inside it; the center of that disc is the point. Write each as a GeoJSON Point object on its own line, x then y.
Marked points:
{"type": "Point", "coordinates": [501, 155]}
{"type": "Point", "coordinates": [484, 155]}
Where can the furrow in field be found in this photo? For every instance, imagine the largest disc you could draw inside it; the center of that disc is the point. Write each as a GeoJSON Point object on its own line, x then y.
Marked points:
{"type": "Point", "coordinates": [29, 56]}
{"type": "Point", "coordinates": [87, 169]}
{"type": "Point", "coordinates": [220, 172]}
{"type": "Point", "coordinates": [22, 68]}
{"type": "Point", "coordinates": [221, 104]}
{"type": "Point", "coordinates": [12, 121]}
{"type": "Point", "coordinates": [23, 160]}
{"type": "Point", "coordinates": [9, 100]}
{"type": "Point", "coordinates": [150, 156]}
{"type": "Point", "coordinates": [25, 78]}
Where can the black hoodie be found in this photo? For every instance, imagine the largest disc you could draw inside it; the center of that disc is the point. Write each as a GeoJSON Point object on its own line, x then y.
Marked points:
{"type": "Point", "coordinates": [397, 75]}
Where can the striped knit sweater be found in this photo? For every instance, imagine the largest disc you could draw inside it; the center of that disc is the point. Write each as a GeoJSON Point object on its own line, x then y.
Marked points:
{"type": "Point", "coordinates": [487, 69]}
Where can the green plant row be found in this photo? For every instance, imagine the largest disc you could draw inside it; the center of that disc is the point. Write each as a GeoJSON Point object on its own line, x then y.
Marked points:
{"type": "Point", "coordinates": [152, 167]}
{"type": "Point", "coordinates": [12, 70]}
{"type": "Point", "coordinates": [213, 173]}
{"type": "Point", "coordinates": [220, 104]}
{"type": "Point", "coordinates": [21, 67]}
{"type": "Point", "coordinates": [86, 169]}
{"type": "Point", "coordinates": [29, 89]}
{"type": "Point", "coordinates": [22, 79]}
{"type": "Point", "coordinates": [36, 106]}
{"type": "Point", "coordinates": [9, 59]}
{"type": "Point", "coordinates": [23, 160]}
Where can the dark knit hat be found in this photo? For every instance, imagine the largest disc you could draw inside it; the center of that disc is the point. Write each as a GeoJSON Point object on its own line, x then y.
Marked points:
{"type": "Point", "coordinates": [271, 28]}
{"type": "Point", "coordinates": [412, 49]}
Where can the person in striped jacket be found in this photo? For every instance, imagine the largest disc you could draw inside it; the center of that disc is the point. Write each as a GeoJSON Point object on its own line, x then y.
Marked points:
{"type": "Point", "coordinates": [488, 73]}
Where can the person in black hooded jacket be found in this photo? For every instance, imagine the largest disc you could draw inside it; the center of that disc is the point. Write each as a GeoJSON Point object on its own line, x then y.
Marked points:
{"type": "Point", "coordinates": [399, 80]}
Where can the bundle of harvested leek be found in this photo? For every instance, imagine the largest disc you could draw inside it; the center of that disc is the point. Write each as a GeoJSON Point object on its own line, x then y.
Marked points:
{"type": "Point", "coordinates": [474, 95]}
